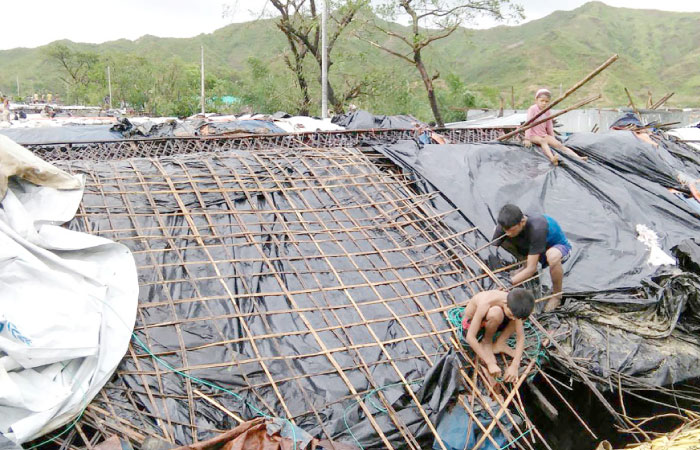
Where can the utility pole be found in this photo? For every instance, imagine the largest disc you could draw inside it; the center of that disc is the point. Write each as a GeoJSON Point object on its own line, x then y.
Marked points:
{"type": "Point", "coordinates": [202, 78]}
{"type": "Point", "coordinates": [324, 62]}
{"type": "Point", "coordinates": [109, 83]}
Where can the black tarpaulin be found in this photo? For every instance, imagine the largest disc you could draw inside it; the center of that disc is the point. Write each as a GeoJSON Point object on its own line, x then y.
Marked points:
{"type": "Point", "coordinates": [606, 207]}
{"type": "Point", "coordinates": [365, 120]}
{"type": "Point", "coordinates": [688, 254]}
{"type": "Point", "coordinates": [599, 204]}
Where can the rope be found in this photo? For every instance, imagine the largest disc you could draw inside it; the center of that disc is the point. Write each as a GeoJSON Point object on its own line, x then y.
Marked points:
{"type": "Point", "coordinates": [534, 350]}
{"type": "Point", "coordinates": [371, 402]}
{"type": "Point", "coordinates": [214, 386]}
{"type": "Point", "coordinates": [516, 439]}
{"type": "Point", "coordinates": [367, 397]}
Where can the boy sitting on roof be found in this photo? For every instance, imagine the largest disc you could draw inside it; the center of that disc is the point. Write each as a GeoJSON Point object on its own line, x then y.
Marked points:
{"type": "Point", "coordinates": [498, 311]}
{"type": "Point", "coordinates": [535, 238]}
{"type": "Point", "coordinates": [543, 134]}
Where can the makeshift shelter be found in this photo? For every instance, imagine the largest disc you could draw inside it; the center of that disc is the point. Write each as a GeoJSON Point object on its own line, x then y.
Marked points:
{"type": "Point", "coordinates": [310, 282]}
{"type": "Point", "coordinates": [306, 279]}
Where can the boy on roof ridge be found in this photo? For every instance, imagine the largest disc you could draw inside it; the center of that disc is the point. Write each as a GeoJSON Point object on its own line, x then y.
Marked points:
{"type": "Point", "coordinates": [498, 311]}
{"type": "Point", "coordinates": [535, 238]}
{"type": "Point", "coordinates": [543, 134]}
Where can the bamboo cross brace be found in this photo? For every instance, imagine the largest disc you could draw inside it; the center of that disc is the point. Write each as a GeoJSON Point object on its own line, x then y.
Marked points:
{"type": "Point", "coordinates": [400, 425]}
{"type": "Point", "coordinates": [382, 348]}
{"type": "Point", "coordinates": [263, 317]}
{"type": "Point", "coordinates": [195, 231]}
{"type": "Point", "coordinates": [371, 331]}
{"type": "Point", "coordinates": [475, 390]}
{"type": "Point", "coordinates": [317, 338]}
{"type": "Point", "coordinates": [396, 274]}
{"type": "Point", "coordinates": [504, 407]}
{"type": "Point", "coordinates": [190, 277]}
{"type": "Point", "coordinates": [487, 383]}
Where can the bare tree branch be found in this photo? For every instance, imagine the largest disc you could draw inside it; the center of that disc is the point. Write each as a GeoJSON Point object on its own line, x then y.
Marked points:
{"type": "Point", "coordinates": [445, 15]}
{"type": "Point", "coordinates": [398, 55]}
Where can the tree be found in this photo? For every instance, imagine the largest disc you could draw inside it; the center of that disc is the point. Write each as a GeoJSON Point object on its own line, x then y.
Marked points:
{"type": "Point", "coordinates": [78, 70]}
{"type": "Point", "coordinates": [428, 22]}
{"type": "Point", "coordinates": [300, 21]}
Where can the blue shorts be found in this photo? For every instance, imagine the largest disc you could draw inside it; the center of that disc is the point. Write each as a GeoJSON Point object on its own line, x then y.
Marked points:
{"type": "Point", "coordinates": [565, 252]}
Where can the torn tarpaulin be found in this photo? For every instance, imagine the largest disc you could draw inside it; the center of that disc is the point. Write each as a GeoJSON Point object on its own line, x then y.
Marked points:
{"type": "Point", "coordinates": [365, 120]}
{"type": "Point", "coordinates": [267, 434]}
{"type": "Point", "coordinates": [655, 344]}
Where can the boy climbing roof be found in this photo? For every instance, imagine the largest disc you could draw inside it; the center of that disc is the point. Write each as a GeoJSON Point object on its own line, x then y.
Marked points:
{"type": "Point", "coordinates": [498, 311]}
{"type": "Point", "coordinates": [535, 238]}
{"type": "Point", "coordinates": [543, 134]}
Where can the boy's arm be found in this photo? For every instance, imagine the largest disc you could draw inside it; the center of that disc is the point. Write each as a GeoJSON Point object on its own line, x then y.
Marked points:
{"type": "Point", "coordinates": [511, 374]}
{"type": "Point", "coordinates": [526, 272]}
{"type": "Point", "coordinates": [487, 357]}
{"type": "Point", "coordinates": [550, 126]}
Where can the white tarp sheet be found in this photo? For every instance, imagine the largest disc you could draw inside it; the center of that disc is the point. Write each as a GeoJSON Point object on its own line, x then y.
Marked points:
{"type": "Point", "coordinates": [67, 308]}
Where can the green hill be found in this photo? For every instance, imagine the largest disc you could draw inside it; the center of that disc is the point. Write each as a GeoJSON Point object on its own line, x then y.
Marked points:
{"type": "Point", "coordinates": [658, 52]}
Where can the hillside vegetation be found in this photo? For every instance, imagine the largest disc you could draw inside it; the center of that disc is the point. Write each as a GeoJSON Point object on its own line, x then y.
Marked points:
{"type": "Point", "coordinates": [659, 52]}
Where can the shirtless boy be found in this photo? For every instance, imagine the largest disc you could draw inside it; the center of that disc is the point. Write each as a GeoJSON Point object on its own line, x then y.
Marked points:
{"type": "Point", "coordinates": [498, 311]}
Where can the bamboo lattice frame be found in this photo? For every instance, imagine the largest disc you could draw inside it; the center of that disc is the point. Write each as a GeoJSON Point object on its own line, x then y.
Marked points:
{"type": "Point", "coordinates": [337, 248]}
{"type": "Point", "coordinates": [158, 147]}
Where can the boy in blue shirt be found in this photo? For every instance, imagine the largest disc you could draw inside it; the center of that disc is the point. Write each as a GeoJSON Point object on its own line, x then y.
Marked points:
{"type": "Point", "coordinates": [535, 238]}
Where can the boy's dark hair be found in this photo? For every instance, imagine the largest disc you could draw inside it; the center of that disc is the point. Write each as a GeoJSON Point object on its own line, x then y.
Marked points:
{"type": "Point", "coordinates": [509, 216]}
{"type": "Point", "coordinates": [521, 302]}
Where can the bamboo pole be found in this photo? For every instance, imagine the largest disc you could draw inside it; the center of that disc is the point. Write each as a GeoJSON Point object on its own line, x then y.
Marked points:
{"type": "Point", "coordinates": [562, 398]}
{"type": "Point", "coordinates": [636, 111]}
{"type": "Point", "coordinates": [479, 374]}
{"type": "Point", "coordinates": [563, 111]}
{"type": "Point", "coordinates": [219, 406]}
{"type": "Point", "coordinates": [575, 87]}
{"type": "Point", "coordinates": [578, 370]}
{"type": "Point", "coordinates": [662, 100]}
{"type": "Point", "coordinates": [503, 407]}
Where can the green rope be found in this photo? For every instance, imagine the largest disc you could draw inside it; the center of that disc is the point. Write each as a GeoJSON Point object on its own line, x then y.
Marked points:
{"type": "Point", "coordinates": [366, 397]}
{"type": "Point", "coordinates": [534, 350]}
{"type": "Point", "coordinates": [182, 374]}
{"type": "Point", "coordinates": [516, 439]}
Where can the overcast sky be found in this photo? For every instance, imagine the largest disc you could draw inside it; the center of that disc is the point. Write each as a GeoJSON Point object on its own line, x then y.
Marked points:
{"type": "Point", "coordinates": [31, 23]}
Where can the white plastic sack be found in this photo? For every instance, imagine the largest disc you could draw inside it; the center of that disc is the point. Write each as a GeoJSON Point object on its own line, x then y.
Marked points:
{"type": "Point", "coordinates": [67, 308]}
